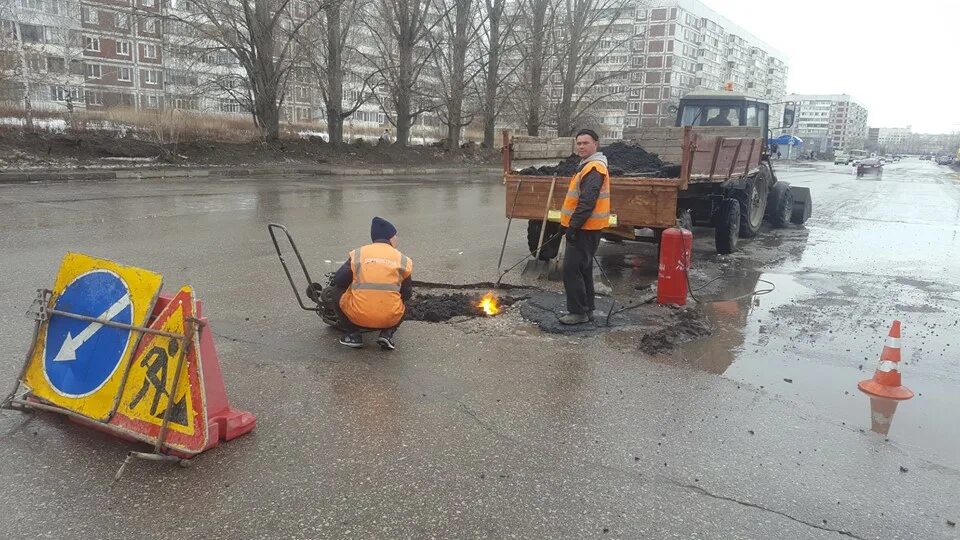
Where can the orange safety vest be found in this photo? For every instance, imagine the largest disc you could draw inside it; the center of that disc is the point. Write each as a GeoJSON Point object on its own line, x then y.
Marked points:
{"type": "Point", "coordinates": [600, 217]}
{"type": "Point", "coordinates": [373, 299]}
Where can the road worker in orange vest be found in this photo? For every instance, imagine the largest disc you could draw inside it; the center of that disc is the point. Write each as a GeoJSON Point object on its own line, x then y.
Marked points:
{"type": "Point", "coordinates": [371, 288]}
{"type": "Point", "coordinates": [585, 213]}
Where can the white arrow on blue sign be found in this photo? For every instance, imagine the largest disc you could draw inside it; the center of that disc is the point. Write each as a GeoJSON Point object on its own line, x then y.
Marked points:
{"type": "Point", "coordinates": [80, 356]}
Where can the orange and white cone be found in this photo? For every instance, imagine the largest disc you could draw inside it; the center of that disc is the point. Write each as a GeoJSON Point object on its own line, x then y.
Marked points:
{"type": "Point", "coordinates": [886, 379]}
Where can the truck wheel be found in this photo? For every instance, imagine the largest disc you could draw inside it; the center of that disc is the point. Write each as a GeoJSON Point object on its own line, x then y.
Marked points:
{"type": "Point", "coordinates": [753, 203]}
{"type": "Point", "coordinates": [727, 227]}
{"type": "Point", "coordinates": [780, 204]}
{"type": "Point", "coordinates": [327, 311]}
{"type": "Point", "coordinates": [550, 249]}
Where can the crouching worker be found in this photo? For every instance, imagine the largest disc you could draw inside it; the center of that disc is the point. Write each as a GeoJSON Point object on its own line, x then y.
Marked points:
{"type": "Point", "coordinates": [371, 288]}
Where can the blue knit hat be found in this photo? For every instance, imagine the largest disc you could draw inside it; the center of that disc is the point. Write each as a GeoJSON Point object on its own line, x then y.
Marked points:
{"type": "Point", "coordinates": [382, 229]}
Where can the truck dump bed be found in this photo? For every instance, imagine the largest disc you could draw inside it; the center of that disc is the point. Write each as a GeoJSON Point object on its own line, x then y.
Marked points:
{"type": "Point", "coordinates": [704, 154]}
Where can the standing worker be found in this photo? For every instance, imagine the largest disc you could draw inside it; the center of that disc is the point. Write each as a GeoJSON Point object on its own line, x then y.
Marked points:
{"type": "Point", "coordinates": [371, 287]}
{"type": "Point", "coordinates": [585, 213]}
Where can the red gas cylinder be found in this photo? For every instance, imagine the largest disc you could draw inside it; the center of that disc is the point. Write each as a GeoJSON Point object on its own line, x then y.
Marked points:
{"type": "Point", "coordinates": [675, 247]}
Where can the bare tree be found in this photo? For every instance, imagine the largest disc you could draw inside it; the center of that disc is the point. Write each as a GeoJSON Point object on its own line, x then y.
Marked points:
{"type": "Point", "coordinates": [582, 52]}
{"type": "Point", "coordinates": [458, 62]}
{"type": "Point", "coordinates": [331, 49]}
{"type": "Point", "coordinates": [535, 49]}
{"type": "Point", "coordinates": [262, 36]}
{"type": "Point", "coordinates": [401, 51]}
{"type": "Point", "coordinates": [499, 35]}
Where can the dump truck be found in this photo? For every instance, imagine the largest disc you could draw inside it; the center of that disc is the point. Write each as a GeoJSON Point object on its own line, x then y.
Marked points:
{"type": "Point", "coordinates": [721, 177]}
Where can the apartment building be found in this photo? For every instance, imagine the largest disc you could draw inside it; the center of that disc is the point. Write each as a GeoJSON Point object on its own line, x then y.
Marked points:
{"type": "Point", "coordinates": [41, 54]}
{"type": "Point", "coordinates": [829, 121]}
{"type": "Point", "coordinates": [902, 140]}
{"type": "Point", "coordinates": [683, 45]}
{"type": "Point", "coordinates": [123, 53]}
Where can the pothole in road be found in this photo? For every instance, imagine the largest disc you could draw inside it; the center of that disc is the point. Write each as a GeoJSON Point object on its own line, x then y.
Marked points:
{"type": "Point", "coordinates": [436, 308]}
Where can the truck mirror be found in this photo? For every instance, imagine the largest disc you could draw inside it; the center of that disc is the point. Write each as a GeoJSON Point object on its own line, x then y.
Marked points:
{"type": "Point", "coordinates": [788, 116]}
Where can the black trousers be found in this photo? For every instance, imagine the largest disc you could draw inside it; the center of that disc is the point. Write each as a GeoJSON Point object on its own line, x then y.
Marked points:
{"type": "Point", "coordinates": [578, 271]}
{"type": "Point", "coordinates": [346, 324]}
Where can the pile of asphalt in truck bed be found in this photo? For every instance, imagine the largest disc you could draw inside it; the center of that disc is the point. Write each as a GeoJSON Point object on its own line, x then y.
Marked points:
{"type": "Point", "coordinates": [623, 159]}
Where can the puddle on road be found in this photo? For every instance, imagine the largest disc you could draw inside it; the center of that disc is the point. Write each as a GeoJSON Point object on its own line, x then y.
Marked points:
{"type": "Point", "coordinates": [814, 347]}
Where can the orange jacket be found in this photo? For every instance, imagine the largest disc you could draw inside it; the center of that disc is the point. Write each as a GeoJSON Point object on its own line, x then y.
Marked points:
{"type": "Point", "coordinates": [600, 216]}
{"type": "Point", "coordinates": [373, 298]}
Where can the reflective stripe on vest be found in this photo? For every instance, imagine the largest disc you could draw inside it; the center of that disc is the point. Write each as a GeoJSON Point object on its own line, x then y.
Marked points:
{"type": "Point", "coordinates": [600, 217]}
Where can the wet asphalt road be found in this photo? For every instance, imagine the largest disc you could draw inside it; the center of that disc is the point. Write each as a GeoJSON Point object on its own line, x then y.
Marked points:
{"type": "Point", "coordinates": [490, 428]}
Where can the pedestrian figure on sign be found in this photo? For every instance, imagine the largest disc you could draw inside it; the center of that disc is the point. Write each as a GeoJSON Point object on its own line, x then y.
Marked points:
{"type": "Point", "coordinates": [585, 213]}
{"type": "Point", "coordinates": [156, 362]}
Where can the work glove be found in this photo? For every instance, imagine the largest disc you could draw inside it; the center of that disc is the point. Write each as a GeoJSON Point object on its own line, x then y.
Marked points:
{"type": "Point", "coordinates": [571, 234]}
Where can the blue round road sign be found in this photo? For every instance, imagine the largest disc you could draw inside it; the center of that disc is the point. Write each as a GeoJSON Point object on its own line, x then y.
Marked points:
{"type": "Point", "coordinates": [80, 356]}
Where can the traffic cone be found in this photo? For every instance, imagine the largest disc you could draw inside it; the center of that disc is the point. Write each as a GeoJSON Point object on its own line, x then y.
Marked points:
{"type": "Point", "coordinates": [886, 379]}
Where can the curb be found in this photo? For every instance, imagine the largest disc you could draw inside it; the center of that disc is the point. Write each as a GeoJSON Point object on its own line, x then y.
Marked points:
{"type": "Point", "coordinates": [24, 177]}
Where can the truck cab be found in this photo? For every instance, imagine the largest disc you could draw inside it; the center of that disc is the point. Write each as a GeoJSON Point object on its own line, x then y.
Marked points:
{"type": "Point", "coordinates": [721, 108]}
{"type": "Point", "coordinates": [738, 207]}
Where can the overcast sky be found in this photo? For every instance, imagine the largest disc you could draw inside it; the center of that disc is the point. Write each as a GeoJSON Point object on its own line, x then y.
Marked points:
{"type": "Point", "coordinates": [902, 63]}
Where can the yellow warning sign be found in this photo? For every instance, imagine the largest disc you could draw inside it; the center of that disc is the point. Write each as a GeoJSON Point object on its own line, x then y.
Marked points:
{"type": "Point", "coordinates": [79, 363]}
{"type": "Point", "coordinates": [150, 381]}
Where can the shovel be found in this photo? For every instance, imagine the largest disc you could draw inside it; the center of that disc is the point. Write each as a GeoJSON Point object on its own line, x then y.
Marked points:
{"type": "Point", "coordinates": [555, 270]}
{"type": "Point", "coordinates": [537, 266]}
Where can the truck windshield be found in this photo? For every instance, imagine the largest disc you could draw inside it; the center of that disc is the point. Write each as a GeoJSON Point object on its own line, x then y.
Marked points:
{"type": "Point", "coordinates": [708, 115]}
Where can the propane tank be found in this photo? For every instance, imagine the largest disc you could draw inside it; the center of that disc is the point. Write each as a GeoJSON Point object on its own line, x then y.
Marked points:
{"type": "Point", "coordinates": [675, 255]}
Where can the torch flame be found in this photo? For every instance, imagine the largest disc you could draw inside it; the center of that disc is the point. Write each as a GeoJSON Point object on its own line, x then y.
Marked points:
{"type": "Point", "coordinates": [489, 304]}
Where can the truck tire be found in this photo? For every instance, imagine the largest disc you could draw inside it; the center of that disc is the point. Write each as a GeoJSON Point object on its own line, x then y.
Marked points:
{"type": "Point", "coordinates": [550, 249]}
{"type": "Point", "coordinates": [753, 202]}
{"type": "Point", "coordinates": [780, 205]}
{"type": "Point", "coordinates": [727, 226]}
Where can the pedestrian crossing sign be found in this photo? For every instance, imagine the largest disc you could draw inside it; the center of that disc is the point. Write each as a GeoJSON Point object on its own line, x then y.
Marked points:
{"type": "Point", "coordinates": [77, 363]}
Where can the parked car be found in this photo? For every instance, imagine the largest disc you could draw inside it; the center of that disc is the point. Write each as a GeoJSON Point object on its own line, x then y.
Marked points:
{"type": "Point", "coordinates": [841, 159]}
{"type": "Point", "coordinates": [944, 160]}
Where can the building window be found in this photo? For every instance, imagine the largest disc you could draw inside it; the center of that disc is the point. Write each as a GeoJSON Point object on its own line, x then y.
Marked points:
{"type": "Point", "coordinates": [94, 71]}
{"type": "Point", "coordinates": [89, 15]}
{"type": "Point", "coordinates": [150, 76]}
{"type": "Point", "coordinates": [634, 107]}
{"type": "Point", "coordinates": [150, 27]}
{"type": "Point", "coordinates": [94, 98]}
{"type": "Point", "coordinates": [92, 44]}
{"type": "Point", "coordinates": [59, 93]}
{"type": "Point", "coordinates": [121, 20]}
{"type": "Point", "coordinates": [123, 74]}
{"type": "Point", "coordinates": [658, 14]}
{"type": "Point", "coordinates": [149, 51]}
{"type": "Point", "coordinates": [649, 109]}
{"type": "Point", "coordinates": [655, 62]}
{"type": "Point", "coordinates": [123, 48]}
{"type": "Point", "coordinates": [229, 106]}
{"type": "Point", "coordinates": [147, 3]}
{"type": "Point", "coordinates": [153, 102]}
{"type": "Point", "coordinates": [56, 64]}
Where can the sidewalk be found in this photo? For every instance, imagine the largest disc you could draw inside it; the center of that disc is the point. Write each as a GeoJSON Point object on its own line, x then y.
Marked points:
{"type": "Point", "coordinates": [88, 175]}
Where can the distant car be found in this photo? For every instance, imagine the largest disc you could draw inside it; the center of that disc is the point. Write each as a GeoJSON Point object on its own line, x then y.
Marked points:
{"type": "Point", "coordinates": [897, 158]}
{"type": "Point", "coordinates": [842, 159]}
{"type": "Point", "coordinates": [925, 158]}
{"type": "Point", "coordinates": [872, 166]}
{"type": "Point", "coordinates": [855, 162]}
{"type": "Point", "coordinates": [944, 160]}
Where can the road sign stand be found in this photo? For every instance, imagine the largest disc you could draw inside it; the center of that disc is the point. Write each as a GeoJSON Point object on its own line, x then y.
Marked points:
{"type": "Point", "coordinates": [118, 382]}
{"type": "Point", "coordinates": [41, 312]}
